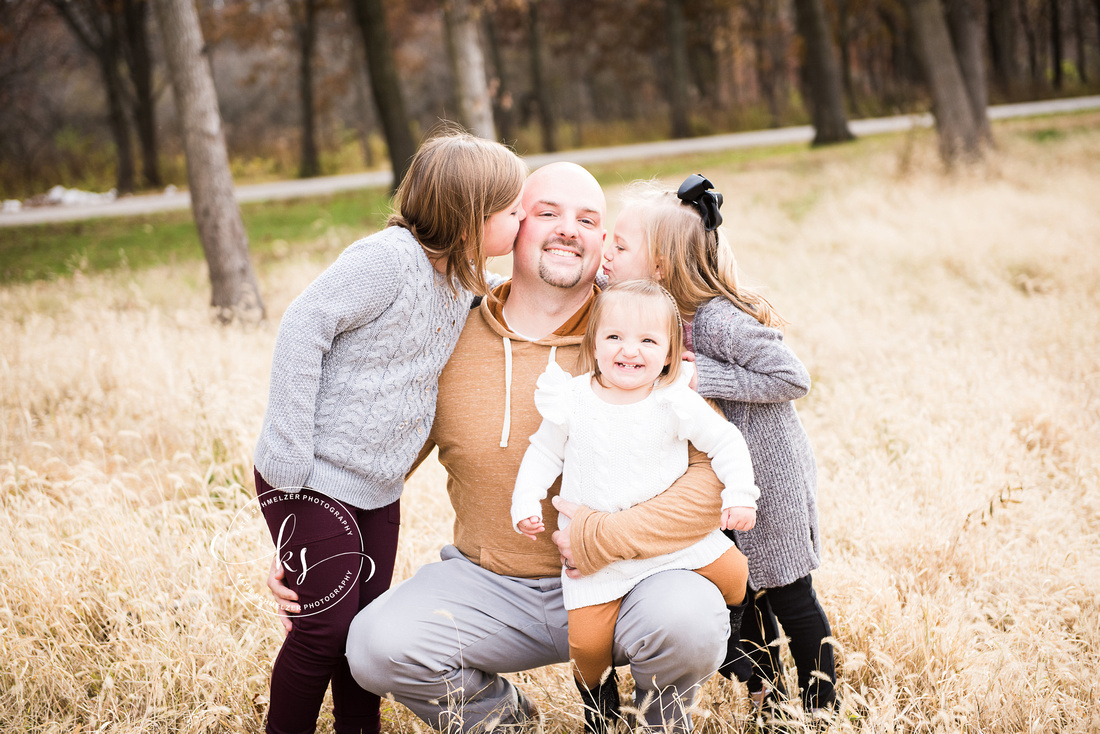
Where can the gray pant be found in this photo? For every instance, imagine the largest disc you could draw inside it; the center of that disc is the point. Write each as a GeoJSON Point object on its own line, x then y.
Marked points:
{"type": "Point", "coordinates": [438, 641]}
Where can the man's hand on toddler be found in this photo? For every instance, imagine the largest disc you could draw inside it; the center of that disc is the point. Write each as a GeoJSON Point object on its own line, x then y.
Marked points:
{"type": "Point", "coordinates": [738, 518]}
{"type": "Point", "coordinates": [531, 527]}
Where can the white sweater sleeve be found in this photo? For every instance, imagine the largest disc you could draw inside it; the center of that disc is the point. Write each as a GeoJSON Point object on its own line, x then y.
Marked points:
{"type": "Point", "coordinates": [729, 455]}
{"type": "Point", "coordinates": [542, 464]}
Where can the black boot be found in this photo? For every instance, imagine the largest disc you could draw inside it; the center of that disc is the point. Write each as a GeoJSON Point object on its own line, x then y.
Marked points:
{"type": "Point", "coordinates": [601, 705]}
{"type": "Point", "coordinates": [737, 664]}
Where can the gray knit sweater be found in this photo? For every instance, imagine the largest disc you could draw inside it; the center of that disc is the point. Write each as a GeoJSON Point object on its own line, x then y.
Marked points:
{"type": "Point", "coordinates": [355, 370]}
{"type": "Point", "coordinates": [755, 377]}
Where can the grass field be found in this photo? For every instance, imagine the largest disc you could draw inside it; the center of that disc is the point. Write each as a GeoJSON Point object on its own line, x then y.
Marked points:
{"type": "Point", "coordinates": [952, 328]}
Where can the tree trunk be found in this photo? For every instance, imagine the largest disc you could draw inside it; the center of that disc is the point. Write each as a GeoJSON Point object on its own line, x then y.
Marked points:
{"type": "Point", "coordinates": [678, 68]}
{"type": "Point", "coordinates": [498, 85]}
{"type": "Point", "coordinates": [98, 32]}
{"type": "Point", "coordinates": [452, 105]}
{"type": "Point", "coordinates": [770, 68]}
{"type": "Point", "coordinates": [1079, 33]}
{"type": "Point", "coordinates": [384, 85]}
{"type": "Point", "coordinates": [1002, 37]}
{"type": "Point", "coordinates": [962, 16]}
{"type": "Point", "coordinates": [1032, 43]}
{"type": "Point", "coordinates": [140, 64]}
{"type": "Point", "coordinates": [703, 37]}
{"type": "Point", "coordinates": [844, 44]}
{"type": "Point", "coordinates": [235, 292]}
{"type": "Point", "coordinates": [305, 28]}
{"type": "Point", "coordinates": [474, 102]}
{"type": "Point", "coordinates": [1096, 6]}
{"type": "Point", "coordinates": [822, 74]}
{"type": "Point", "coordinates": [542, 93]}
{"type": "Point", "coordinates": [960, 137]}
{"type": "Point", "coordinates": [1056, 43]}
{"type": "Point", "coordinates": [362, 105]}
{"type": "Point", "coordinates": [120, 128]}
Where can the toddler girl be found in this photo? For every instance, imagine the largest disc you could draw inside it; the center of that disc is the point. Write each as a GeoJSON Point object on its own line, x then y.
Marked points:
{"type": "Point", "coordinates": [353, 390]}
{"type": "Point", "coordinates": [618, 435]}
{"type": "Point", "coordinates": [742, 362]}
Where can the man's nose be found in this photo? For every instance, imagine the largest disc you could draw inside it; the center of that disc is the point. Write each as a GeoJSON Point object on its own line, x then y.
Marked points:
{"type": "Point", "coordinates": [567, 228]}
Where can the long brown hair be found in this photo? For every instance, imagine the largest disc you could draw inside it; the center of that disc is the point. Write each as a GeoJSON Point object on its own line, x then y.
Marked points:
{"type": "Point", "coordinates": [694, 265]}
{"type": "Point", "coordinates": [640, 294]}
{"type": "Point", "coordinates": [454, 183]}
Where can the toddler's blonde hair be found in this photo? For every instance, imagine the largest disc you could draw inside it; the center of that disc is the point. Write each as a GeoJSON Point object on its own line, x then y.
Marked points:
{"type": "Point", "coordinates": [640, 294]}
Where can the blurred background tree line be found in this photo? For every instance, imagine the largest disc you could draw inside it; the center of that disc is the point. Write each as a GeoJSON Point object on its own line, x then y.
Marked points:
{"type": "Point", "coordinates": [307, 87]}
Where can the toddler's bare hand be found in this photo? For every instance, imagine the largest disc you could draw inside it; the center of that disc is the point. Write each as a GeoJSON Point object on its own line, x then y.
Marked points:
{"type": "Point", "coordinates": [738, 518]}
{"type": "Point", "coordinates": [531, 527]}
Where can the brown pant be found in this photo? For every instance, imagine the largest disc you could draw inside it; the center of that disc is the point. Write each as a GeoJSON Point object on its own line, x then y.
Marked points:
{"type": "Point", "coordinates": [592, 629]}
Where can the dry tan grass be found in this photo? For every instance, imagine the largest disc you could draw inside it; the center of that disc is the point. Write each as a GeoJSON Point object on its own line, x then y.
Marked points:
{"type": "Point", "coordinates": [952, 327]}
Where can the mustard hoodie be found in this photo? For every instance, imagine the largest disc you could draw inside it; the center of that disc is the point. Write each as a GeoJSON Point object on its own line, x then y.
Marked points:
{"type": "Point", "coordinates": [485, 416]}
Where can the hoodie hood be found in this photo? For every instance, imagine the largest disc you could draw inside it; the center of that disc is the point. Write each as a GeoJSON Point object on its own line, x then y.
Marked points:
{"type": "Point", "coordinates": [568, 334]}
{"type": "Point", "coordinates": [571, 332]}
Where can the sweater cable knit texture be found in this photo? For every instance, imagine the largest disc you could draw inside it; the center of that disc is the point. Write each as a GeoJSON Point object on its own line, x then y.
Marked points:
{"type": "Point", "coordinates": [755, 377]}
{"type": "Point", "coordinates": [355, 371]}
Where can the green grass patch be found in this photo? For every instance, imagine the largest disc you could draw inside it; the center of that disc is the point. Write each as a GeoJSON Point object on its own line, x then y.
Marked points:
{"type": "Point", "coordinates": [46, 251]}
{"type": "Point", "coordinates": [1047, 135]}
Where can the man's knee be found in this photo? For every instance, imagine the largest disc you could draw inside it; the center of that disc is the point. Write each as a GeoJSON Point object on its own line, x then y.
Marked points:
{"type": "Point", "coordinates": [376, 647]}
{"type": "Point", "coordinates": [679, 614]}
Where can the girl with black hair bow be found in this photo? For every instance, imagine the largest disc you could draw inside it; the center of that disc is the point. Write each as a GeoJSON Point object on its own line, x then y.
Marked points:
{"type": "Point", "coordinates": [743, 363]}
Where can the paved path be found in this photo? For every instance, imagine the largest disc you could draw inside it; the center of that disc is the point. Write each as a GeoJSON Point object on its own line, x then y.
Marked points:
{"type": "Point", "coordinates": [326, 185]}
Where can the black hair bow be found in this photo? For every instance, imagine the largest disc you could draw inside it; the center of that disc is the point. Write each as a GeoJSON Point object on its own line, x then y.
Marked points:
{"type": "Point", "coordinates": [696, 191]}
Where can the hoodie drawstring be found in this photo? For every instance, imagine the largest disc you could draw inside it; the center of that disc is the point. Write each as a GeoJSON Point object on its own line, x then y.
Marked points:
{"type": "Point", "coordinates": [506, 429]}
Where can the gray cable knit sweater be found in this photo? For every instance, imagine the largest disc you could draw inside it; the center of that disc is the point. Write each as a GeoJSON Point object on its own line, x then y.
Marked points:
{"type": "Point", "coordinates": [355, 370]}
{"type": "Point", "coordinates": [755, 377]}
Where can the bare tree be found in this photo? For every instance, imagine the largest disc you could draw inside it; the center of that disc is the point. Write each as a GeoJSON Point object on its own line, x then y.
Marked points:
{"type": "Point", "coordinates": [1079, 39]}
{"type": "Point", "coordinates": [385, 85]}
{"type": "Point", "coordinates": [499, 89]}
{"type": "Point", "coordinates": [235, 292]}
{"type": "Point", "coordinates": [959, 132]}
{"type": "Point", "coordinates": [99, 32]}
{"type": "Point", "coordinates": [1096, 6]}
{"type": "Point", "coordinates": [538, 82]}
{"type": "Point", "coordinates": [303, 15]}
{"type": "Point", "coordinates": [143, 102]}
{"type": "Point", "coordinates": [824, 81]}
{"type": "Point", "coordinates": [1056, 43]}
{"type": "Point", "coordinates": [966, 36]}
{"type": "Point", "coordinates": [844, 43]}
{"type": "Point", "coordinates": [474, 102]}
{"type": "Point", "coordinates": [363, 112]}
{"type": "Point", "coordinates": [678, 66]}
{"type": "Point", "coordinates": [1002, 37]}
{"type": "Point", "coordinates": [769, 45]}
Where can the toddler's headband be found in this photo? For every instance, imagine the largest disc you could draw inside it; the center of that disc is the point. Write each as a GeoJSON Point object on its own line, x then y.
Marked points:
{"type": "Point", "coordinates": [696, 191]}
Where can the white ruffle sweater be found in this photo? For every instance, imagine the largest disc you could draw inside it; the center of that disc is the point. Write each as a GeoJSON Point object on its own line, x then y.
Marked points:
{"type": "Point", "coordinates": [611, 457]}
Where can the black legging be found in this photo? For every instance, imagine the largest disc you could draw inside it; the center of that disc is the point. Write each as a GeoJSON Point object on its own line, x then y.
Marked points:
{"type": "Point", "coordinates": [753, 660]}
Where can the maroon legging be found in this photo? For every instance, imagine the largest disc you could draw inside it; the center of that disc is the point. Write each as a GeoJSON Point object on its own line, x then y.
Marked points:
{"type": "Point", "coordinates": [337, 584]}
